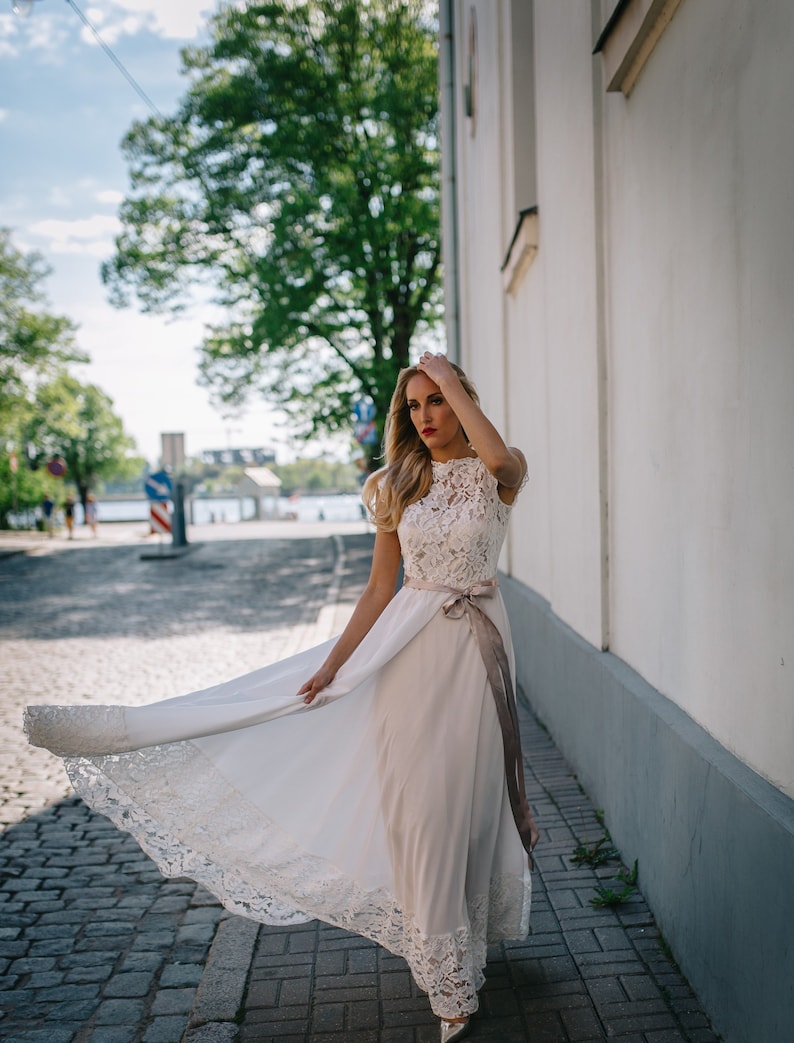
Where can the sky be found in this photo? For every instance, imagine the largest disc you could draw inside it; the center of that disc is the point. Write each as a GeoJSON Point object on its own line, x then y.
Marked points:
{"type": "Point", "coordinates": [64, 108]}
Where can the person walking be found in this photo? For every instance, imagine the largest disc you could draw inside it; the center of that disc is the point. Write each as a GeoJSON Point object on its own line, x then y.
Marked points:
{"type": "Point", "coordinates": [393, 800]}
{"type": "Point", "coordinates": [68, 514]}
{"type": "Point", "coordinates": [91, 513]}
{"type": "Point", "coordinates": [48, 513]}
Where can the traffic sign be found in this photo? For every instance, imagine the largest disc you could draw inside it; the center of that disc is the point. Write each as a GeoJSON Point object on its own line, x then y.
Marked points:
{"type": "Point", "coordinates": [159, 517]}
{"type": "Point", "coordinates": [57, 467]}
{"type": "Point", "coordinates": [366, 433]}
{"type": "Point", "coordinates": [364, 410]}
{"type": "Point", "coordinates": [158, 487]}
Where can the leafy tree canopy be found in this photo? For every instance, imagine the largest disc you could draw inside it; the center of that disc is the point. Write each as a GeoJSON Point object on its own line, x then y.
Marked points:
{"type": "Point", "coordinates": [33, 342]}
{"type": "Point", "coordinates": [318, 476]}
{"type": "Point", "coordinates": [300, 180]}
{"type": "Point", "coordinates": [77, 422]}
{"type": "Point", "coordinates": [44, 411]}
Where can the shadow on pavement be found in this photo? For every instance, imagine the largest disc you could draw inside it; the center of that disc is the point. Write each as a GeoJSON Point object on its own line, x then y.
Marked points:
{"type": "Point", "coordinates": [111, 592]}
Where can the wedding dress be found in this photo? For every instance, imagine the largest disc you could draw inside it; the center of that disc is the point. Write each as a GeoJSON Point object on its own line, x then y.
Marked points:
{"type": "Point", "coordinates": [381, 808]}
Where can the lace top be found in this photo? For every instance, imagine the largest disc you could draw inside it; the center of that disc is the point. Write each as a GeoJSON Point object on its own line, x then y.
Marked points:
{"type": "Point", "coordinates": [454, 534]}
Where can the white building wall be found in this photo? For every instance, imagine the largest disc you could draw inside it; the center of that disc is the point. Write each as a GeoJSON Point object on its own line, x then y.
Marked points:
{"type": "Point", "coordinates": [644, 362]}
{"type": "Point", "coordinates": [700, 253]}
{"type": "Point", "coordinates": [566, 267]}
{"type": "Point", "coordinates": [480, 212]}
{"type": "Point", "coordinates": [533, 354]}
{"type": "Point", "coordinates": [660, 509]}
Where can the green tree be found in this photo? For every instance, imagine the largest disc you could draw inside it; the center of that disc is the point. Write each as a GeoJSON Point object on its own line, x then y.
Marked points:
{"type": "Point", "coordinates": [34, 345]}
{"type": "Point", "coordinates": [33, 342]}
{"type": "Point", "coordinates": [20, 490]}
{"type": "Point", "coordinates": [77, 422]}
{"type": "Point", "coordinates": [313, 475]}
{"type": "Point", "coordinates": [300, 180]}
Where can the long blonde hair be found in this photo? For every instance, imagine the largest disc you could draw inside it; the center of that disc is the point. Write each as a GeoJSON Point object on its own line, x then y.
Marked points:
{"type": "Point", "coordinates": [408, 472]}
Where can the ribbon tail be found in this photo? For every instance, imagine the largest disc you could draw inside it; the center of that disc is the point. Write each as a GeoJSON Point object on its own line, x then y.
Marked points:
{"type": "Point", "coordinates": [498, 671]}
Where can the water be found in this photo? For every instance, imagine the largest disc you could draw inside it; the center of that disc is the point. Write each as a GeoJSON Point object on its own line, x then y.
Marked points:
{"type": "Point", "coordinates": [205, 510]}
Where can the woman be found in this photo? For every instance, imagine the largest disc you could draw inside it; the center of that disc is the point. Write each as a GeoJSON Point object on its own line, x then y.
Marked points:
{"type": "Point", "coordinates": [91, 513]}
{"type": "Point", "coordinates": [392, 786]}
{"type": "Point", "coordinates": [68, 514]}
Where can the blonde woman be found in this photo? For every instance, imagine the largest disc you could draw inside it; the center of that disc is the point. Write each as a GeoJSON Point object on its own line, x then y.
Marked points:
{"type": "Point", "coordinates": [387, 798]}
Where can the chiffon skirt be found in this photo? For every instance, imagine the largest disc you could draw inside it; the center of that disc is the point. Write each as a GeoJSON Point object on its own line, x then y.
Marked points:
{"type": "Point", "coordinates": [381, 808]}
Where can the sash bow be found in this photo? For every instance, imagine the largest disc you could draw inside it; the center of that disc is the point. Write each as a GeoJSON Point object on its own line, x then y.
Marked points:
{"type": "Point", "coordinates": [489, 642]}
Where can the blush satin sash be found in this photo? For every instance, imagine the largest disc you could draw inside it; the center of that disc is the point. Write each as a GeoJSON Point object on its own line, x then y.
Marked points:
{"type": "Point", "coordinates": [489, 641]}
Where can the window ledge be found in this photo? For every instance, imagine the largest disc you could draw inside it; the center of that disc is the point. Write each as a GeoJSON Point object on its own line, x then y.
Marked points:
{"type": "Point", "coordinates": [522, 250]}
{"type": "Point", "coordinates": [629, 37]}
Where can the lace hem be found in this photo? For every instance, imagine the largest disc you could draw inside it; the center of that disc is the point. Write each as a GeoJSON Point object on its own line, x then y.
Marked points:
{"type": "Point", "coordinates": [69, 730]}
{"type": "Point", "coordinates": [193, 819]}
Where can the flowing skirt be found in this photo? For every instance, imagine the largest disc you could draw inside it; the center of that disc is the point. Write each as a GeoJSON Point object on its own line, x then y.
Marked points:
{"type": "Point", "coordinates": [381, 808]}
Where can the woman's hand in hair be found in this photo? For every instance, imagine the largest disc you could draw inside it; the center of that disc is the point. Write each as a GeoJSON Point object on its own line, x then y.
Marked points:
{"type": "Point", "coordinates": [437, 368]}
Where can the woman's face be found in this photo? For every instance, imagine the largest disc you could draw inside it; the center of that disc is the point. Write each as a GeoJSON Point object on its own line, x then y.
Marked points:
{"type": "Point", "coordinates": [434, 420]}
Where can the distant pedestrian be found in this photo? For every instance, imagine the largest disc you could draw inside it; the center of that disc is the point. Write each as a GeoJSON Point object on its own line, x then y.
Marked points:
{"type": "Point", "coordinates": [91, 513]}
{"type": "Point", "coordinates": [68, 514]}
{"type": "Point", "coordinates": [48, 510]}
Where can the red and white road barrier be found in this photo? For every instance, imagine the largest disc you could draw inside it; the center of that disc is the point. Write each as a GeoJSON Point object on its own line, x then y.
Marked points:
{"type": "Point", "coordinates": [160, 518]}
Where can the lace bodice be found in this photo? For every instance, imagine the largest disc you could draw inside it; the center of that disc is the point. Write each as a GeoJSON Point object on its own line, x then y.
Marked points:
{"type": "Point", "coordinates": [454, 534]}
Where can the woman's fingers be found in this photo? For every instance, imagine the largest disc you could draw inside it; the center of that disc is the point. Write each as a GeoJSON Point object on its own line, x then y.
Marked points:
{"type": "Point", "coordinates": [315, 685]}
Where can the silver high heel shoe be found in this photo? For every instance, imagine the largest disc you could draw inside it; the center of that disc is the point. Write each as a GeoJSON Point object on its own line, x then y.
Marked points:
{"type": "Point", "coordinates": [452, 1030]}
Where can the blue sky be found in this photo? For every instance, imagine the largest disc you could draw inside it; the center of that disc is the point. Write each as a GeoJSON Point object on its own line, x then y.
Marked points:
{"type": "Point", "coordinates": [64, 108]}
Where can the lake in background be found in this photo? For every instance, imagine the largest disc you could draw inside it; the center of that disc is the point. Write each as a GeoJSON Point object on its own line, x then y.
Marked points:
{"type": "Point", "coordinates": [209, 509]}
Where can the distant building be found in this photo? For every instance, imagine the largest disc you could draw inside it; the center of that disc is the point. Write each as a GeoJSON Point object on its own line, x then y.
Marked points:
{"type": "Point", "coordinates": [239, 457]}
{"type": "Point", "coordinates": [261, 485]}
{"type": "Point", "coordinates": [619, 249]}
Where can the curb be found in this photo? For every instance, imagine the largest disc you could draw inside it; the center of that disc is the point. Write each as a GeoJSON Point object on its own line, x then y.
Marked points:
{"type": "Point", "coordinates": [220, 992]}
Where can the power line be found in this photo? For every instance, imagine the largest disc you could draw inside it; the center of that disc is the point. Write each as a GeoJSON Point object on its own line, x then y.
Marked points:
{"type": "Point", "coordinates": [116, 61]}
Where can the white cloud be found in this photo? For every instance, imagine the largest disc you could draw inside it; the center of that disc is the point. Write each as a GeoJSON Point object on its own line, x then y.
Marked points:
{"type": "Point", "coordinates": [91, 236]}
{"type": "Point", "coordinates": [179, 21]}
{"type": "Point", "coordinates": [9, 35]}
{"type": "Point", "coordinates": [111, 196]}
{"type": "Point", "coordinates": [45, 32]}
{"type": "Point", "coordinates": [48, 32]}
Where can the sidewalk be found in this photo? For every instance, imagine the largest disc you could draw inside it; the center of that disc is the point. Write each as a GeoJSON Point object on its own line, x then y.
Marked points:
{"type": "Point", "coordinates": [96, 947]}
{"type": "Point", "coordinates": [585, 974]}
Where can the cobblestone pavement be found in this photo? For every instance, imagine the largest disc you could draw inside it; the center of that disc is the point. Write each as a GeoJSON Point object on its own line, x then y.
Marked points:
{"type": "Point", "coordinates": [94, 943]}
{"type": "Point", "coordinates": [96, 946]}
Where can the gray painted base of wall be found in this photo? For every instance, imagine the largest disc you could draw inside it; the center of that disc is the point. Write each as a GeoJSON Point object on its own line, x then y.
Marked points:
{"type": "Point", "coordinates": [715, 841]}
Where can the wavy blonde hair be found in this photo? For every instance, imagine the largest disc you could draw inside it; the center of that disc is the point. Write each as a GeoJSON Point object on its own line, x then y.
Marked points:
{"type": "Point", "coordinates": [408, 472]}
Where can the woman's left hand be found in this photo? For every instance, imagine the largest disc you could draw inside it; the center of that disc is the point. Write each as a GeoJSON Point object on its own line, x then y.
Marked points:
{"type": "Point", "coordinates": [437, 367]}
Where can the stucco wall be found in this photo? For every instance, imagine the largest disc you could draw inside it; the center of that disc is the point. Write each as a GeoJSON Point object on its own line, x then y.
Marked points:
{"type": "Point", "coordinates": [644, 362]}
{"type": "Point", "coordinates": [566, 267]}
{"type": "Point", "coordinates": [534, 354]}
{"type": "Point", "coordinates": [480, 215]}
{"type": "Point", "coordinates": [700, 249]}
{"type": "Point", "coordinates": [679, 465]}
